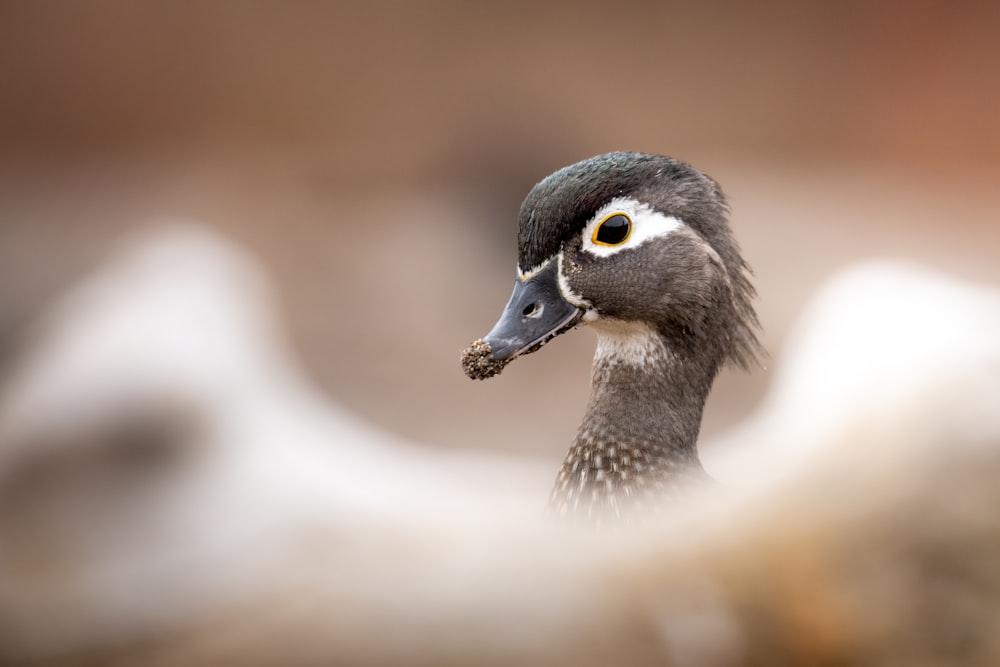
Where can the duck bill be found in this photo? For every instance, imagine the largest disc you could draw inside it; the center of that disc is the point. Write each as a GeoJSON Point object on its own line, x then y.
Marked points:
{"type": "Point", "coordinates": [535, 314]}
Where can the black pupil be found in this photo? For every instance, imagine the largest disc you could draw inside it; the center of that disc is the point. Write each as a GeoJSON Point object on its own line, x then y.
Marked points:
{"type": "Point", "coordinates": [614, 230]}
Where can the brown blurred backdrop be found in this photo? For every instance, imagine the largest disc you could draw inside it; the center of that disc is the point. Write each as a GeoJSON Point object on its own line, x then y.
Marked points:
{"type": "Point", "coordinates": [374, 155]}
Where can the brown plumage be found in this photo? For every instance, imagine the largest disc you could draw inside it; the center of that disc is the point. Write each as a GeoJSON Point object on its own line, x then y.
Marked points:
{"type": "Point", "coordinates": [670, 297]}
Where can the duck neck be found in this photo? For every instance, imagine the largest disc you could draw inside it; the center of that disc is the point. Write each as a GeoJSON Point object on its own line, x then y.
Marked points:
{"type": "Point", "coordinates": [638, 439]}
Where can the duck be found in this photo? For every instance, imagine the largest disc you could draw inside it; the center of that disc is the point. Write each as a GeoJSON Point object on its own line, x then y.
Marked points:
{"type": "Point", "coordinates": [638, 247]}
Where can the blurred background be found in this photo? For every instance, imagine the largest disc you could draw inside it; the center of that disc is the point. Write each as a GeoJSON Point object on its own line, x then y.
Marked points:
{"type": "Point", "coordinates": [374, 156]}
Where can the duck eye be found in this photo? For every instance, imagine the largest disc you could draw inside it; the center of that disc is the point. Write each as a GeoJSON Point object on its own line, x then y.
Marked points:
{"type": "Point", "coordinates": [613, 230]}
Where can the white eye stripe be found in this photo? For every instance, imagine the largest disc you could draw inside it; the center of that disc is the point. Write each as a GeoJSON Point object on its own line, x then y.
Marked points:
{"type": "Point", "coordinates": [647, 224]}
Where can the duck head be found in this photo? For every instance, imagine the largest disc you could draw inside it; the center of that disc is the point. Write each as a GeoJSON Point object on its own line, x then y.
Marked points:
{"type": "Point", "coordinates": [626, 242]}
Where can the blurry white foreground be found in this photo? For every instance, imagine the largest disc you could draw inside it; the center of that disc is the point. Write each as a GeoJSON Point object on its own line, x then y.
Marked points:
{"type": "Point", "coordinates": [172, 491]}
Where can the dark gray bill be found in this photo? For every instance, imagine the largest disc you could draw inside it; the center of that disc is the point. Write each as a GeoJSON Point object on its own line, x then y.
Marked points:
{"type": "Point", "coordinates": [535, 314]}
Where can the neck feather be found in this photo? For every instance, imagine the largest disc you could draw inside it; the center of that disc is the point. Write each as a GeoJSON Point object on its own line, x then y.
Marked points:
{"type": "Point", "coordinates": [638, 439]}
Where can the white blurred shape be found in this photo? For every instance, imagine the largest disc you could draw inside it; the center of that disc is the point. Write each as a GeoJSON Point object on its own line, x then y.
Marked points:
{"type": "Point", "coordinates": [885, 349]}
{"type": "Point", "coordinates": [166, 446]}
{"type": "Point", "coordinates": [164, 465]}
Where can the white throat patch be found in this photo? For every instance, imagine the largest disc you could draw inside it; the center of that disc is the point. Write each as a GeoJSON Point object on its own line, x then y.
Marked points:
{"type": "Point", "coordinates": [647, 224]}
{"type": "Point", "coordinates": [633, 343]}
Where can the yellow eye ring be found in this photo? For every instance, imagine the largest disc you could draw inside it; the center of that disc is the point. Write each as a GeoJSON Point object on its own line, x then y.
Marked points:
{"type": "Point", "coordinates": [613, 230]}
